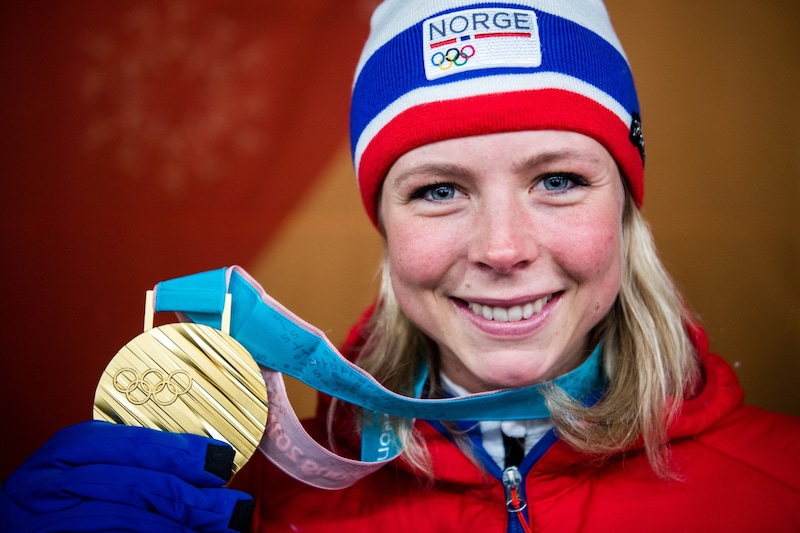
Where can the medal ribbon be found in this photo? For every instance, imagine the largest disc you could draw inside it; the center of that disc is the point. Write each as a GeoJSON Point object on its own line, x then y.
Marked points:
{"type": "Point", "coordinates": [281, 342]}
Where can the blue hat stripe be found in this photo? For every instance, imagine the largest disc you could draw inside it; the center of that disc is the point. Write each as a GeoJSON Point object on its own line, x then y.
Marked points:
{"type": "Point", "coordinates": [396, 68]}
{"type": "Point", "coordinates": [605, 67]}
{"type": "Point", "coordinates": [385, 77]}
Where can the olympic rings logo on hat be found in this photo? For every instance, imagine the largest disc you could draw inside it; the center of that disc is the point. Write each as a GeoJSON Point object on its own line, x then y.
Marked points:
{"type": "Point", "coordinates": [152, 385]}
{"type": "Point", "coordinates": [453, 56]}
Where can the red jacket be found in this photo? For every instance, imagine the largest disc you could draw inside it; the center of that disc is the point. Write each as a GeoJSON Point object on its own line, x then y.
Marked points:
{"type": "Point", "coordinates": [740, 470]}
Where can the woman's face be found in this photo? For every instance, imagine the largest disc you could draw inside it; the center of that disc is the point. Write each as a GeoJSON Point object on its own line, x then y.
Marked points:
{"type": "Point", "coordinates": [506, 250]}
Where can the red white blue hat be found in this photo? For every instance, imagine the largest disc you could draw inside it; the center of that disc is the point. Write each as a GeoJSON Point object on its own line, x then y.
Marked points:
{"type": "Point", "coordinates": [440, 69]}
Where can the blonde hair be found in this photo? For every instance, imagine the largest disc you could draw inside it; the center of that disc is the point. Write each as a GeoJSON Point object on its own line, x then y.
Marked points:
{"type": "Point", "coordinates": [648, 357]}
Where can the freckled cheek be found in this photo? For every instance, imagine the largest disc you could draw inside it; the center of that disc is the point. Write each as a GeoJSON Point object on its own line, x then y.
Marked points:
{"type": "Point", "coordinates": [594, 255]}
{"type": "Point", "coordinates": [418, 257]}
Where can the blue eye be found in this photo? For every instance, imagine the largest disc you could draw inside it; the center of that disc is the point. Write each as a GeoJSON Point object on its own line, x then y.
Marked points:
{"type": "Point", "coordinates": [436, 192]}
{"type": "Point", "coordinates": [556, 183]}
{"type": "Point", "coordinates": [442, 192]}
{"type": "Point", "coordinates": [561, 182]}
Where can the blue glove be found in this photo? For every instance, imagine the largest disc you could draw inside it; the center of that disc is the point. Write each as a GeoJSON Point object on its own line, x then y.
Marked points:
{"type": "Point", "coordinates": [97, 476]}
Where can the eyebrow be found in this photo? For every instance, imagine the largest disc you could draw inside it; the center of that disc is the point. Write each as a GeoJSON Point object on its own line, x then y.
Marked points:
{"type": "Point", "coordinates": [435, 169]}
{"type": "Point", "coordinates": [556, 156]}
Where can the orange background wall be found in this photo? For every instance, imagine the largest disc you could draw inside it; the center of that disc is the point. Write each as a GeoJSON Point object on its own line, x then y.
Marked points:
{"type": "Point", "coordinates": [146, 140]}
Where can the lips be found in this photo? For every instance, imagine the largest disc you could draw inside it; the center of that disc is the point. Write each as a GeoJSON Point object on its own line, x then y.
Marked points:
{"type": "Point", "coordinates": [514, 313]}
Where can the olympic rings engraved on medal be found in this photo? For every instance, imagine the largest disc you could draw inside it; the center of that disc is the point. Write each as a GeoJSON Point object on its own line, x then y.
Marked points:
{"type": "Point", "coordinates": [453, 56]}
{"type": "Point", "coordinates": [152, 385]}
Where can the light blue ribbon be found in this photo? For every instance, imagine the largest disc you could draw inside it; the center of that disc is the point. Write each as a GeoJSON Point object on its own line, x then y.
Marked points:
{"type": "Point", "coordinates": [285, 344]}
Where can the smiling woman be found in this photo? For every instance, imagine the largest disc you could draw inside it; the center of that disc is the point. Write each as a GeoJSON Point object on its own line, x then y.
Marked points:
{"type": "Point", "coordinates": [504, 171]}
{"type": "Point", "coordinates": [505, 177]}
{"type": "Point", "coordinates": [483, 230]}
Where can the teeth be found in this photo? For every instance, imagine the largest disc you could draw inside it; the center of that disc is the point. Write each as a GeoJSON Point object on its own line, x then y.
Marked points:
{"type": "Point", "coordinates": [511, 314]}
{"type": "Point", "coordinates": [529, 309]}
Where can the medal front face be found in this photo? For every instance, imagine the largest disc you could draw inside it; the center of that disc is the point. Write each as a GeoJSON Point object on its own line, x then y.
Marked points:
{"type": "Point", "coordinates": [187, 378]}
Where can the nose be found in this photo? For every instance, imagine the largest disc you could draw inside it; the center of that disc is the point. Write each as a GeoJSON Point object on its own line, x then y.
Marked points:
{"type": "Point", "coordinates": [504, 239]}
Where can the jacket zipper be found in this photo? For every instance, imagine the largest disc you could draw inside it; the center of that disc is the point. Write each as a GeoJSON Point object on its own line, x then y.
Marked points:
{"type": "Point", "coordinates": [515, 504]}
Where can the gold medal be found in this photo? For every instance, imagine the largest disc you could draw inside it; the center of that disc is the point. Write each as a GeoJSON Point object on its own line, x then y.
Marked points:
{"type": "Point", "coordinates": [186, 378]}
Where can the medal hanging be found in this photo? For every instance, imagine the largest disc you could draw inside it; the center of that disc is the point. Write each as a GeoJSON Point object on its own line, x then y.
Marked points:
{"type": "Point", "coordinates": [186, 378]}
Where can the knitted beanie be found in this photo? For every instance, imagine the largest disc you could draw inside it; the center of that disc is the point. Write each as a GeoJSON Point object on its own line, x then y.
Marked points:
{"type": "Point", "coordinates": [433, 70]}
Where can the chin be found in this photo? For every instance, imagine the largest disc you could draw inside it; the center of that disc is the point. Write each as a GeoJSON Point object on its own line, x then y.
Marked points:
{"type": "Point", "coordinates": [513, 377]}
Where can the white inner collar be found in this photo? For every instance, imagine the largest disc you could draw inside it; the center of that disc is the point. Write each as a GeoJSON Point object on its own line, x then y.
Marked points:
{"type": "Point", "coordinates": [492, 430]}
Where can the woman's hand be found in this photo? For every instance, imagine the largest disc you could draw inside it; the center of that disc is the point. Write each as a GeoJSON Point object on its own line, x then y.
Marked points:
{"type": "Point", "coordinates": [97, 476]}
